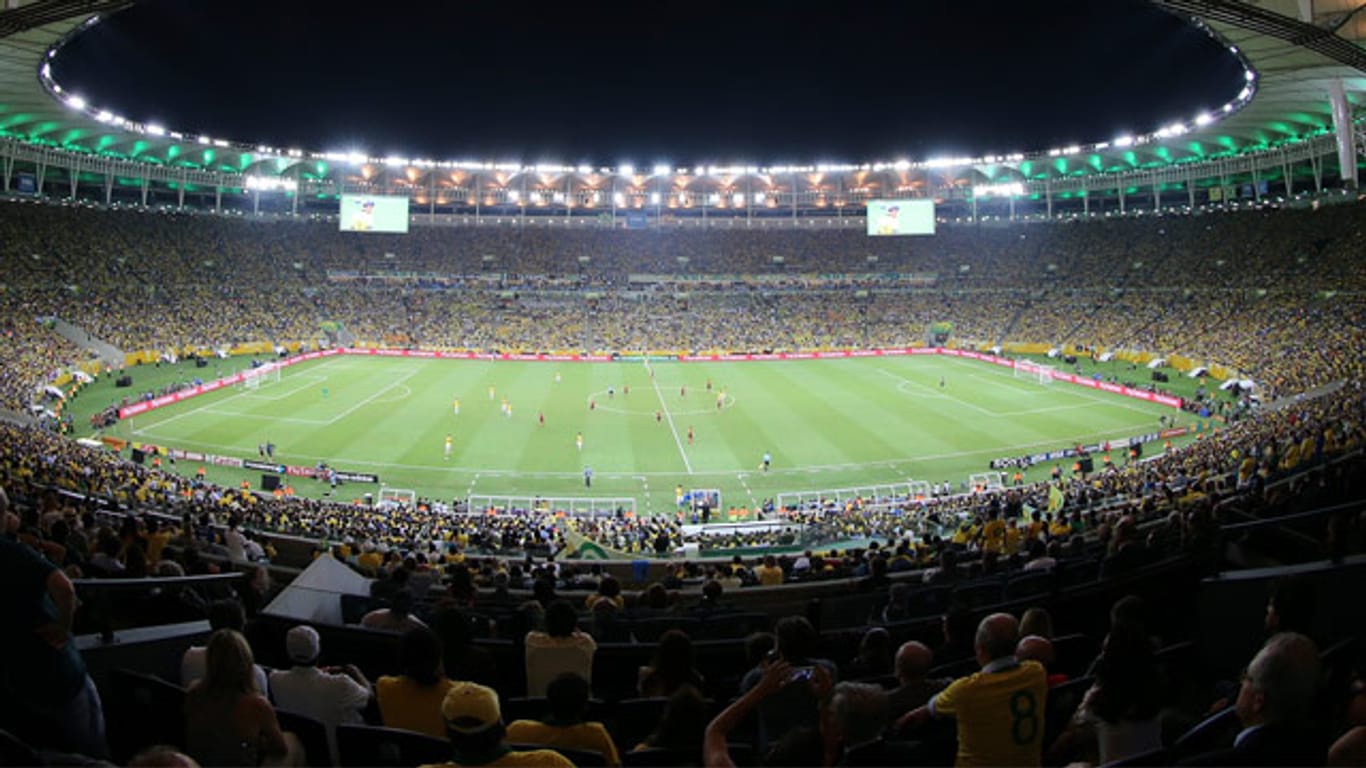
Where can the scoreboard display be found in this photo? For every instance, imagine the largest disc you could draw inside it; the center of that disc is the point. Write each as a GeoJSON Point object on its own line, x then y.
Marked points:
{"type": "Point", "coordinates": [900, 217]}
{"type": "Point", "coordinates": [373, 213]}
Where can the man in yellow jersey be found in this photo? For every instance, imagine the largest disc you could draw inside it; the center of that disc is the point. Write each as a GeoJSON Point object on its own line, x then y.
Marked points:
{"type": "Point", "coordinates": [450, 443]}
{"type": "Point", "coordinates": [474, 723]}
{"type": "Point", "coordinates": [1000, 710]}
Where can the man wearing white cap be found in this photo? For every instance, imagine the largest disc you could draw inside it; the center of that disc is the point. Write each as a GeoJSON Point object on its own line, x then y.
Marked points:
{"type": "Point", "coordinates": [474, 723]}
{"type": "Point", "coordinates": [330, 696]}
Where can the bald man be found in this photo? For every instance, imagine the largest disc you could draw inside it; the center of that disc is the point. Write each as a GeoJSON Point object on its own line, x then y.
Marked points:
{"type": "Point", "coordinates": [913, 662]}
{"type": "Point", "coordinates": [1040, 649]}
{"type": "Point", "coordinates": [1000, 710]}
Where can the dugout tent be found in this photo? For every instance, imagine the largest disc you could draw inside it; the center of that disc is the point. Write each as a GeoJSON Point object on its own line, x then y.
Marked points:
{"type": "Point", "coordinates": [315, 594]}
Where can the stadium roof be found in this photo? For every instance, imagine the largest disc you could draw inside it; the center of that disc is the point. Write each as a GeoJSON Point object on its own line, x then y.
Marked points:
{"type": "Point", "coordinates": [1293, 50]}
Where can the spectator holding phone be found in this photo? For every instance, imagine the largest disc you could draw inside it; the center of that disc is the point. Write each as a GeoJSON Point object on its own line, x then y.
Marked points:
{"type": "Point", "coordinates": [792, 706]}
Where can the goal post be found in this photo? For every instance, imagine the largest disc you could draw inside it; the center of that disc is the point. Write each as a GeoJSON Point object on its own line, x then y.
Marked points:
{"type": "Point", "coordinates": [255, 378]}
{"type": "Point", "coordinates": [986, 481]}
{"type": "Point", "coordinates": [1043, 374]}
{"type": "Point", "coordinates": [390, 498]}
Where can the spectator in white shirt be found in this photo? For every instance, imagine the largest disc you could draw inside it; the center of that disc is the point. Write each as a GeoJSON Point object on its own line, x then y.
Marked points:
{"type": "Point", "coordinates": [332, 695]}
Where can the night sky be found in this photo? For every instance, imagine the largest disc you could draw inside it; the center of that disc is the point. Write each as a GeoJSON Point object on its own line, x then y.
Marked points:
{"type": "Point", "coordinates": [684, 83]}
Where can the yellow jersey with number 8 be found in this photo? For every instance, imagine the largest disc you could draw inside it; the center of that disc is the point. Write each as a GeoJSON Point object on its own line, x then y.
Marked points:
{"type": "Point", "coordinates": [1000, 714]}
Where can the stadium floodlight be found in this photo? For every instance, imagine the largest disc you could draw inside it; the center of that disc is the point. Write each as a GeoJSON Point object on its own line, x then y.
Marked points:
{"type": "Point", "coordinates": [902, 165]}
{"type": "Point", "coordinates": [1124, 141]}
{"type": "Point", "coordinates": [220, 142]}
{"type": "Point", "coordinates": [105, 116]}
{"type": "Point", "coordinates": [661, 170]}
{"type": "Point", "coordinates": [626, 169]}
{"type": "Point", "coordinates": [1249, 75]}
{"type": "Point", "coordinates": [355, 158]}
{"type": "Point", "coordinates": [514, 195]}
{"type": "Point", "coordinates": [654, 198]}
{"type": "Point", "coordinates": [738, 198]}
{"type": "Point", "coordinates": [618, 199]}
{"type": "Point", "coordinates": [205, 140]}
{"type": "Point", "coordinates": [156, 130]}
{"type": "Point", "coordinates": [584, 170]}
{"type": "Point", "coordinates": [394, 162]}
{"type": "Point", "coordinates": [76, 102]}
{"type": "Point", "coordinates": [1245, 94]}
{"type": "Point", "coordinates": [758, 197]}
{"type": "Point", "coordinates": [1203, 119]}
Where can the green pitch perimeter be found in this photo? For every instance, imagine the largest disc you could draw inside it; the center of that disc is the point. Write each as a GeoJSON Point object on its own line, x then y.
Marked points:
{"type": "Point", "coordinates": [829, 424]}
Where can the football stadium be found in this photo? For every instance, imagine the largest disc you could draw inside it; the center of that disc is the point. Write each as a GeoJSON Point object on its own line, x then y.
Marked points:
{"type": "Point", "coordinates": [1037, 458]}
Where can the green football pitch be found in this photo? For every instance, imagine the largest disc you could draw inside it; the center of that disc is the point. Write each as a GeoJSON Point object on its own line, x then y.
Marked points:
{"type": "Point", "coordinates": [828, 424]}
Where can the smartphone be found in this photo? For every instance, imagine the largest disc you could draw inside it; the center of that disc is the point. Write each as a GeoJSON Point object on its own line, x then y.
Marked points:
{"type": "Point", "coordinates": [802, 673]}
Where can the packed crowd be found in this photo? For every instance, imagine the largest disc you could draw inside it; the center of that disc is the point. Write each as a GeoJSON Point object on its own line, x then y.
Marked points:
{"type": "Point", "coordinates": [1277, 295]}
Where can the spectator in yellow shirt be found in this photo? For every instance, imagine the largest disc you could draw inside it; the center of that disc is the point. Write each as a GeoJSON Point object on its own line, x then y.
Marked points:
{"type": "Point", "coordinates": [474, 724]}
{"type": "Point", "coordinates": [769, 574]}
{"type": "Point", "coordinates": [567, 697]}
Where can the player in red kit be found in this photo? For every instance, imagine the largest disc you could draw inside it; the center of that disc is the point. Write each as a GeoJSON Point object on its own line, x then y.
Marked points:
{"type": "Point", "coordinates": [689, 435]}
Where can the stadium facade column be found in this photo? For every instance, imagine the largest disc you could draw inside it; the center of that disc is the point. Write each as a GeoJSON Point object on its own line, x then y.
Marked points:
{"type": "Point", "coordinates": [75, 176]}
{"type": "Point", "coordinates": [1157, 191]}
{"type": "Point", "coordinates": [146, 186]}
{"type": "Point", "coordinates": [180, 192]}
{"type": "Point", "coordinates": [9, 162]}
{"type": "Point", "coordinates": [1012, 206]}
{"type": "Point", "coordinates": [218, 198]}
{"type": "Point", "coordinates": [974, 209]}
{"type": "Point", "coordinates": [109, 186]}
{"type": "Point", "coordinates": [1342, 126]}
{"type": "Point", "coordinates": [1085, 197]}
{"type": "Point", "coordinates": [1190, 188]}
{"type": "Point", "coordinates": [1048, 195]}
{"type": "Point", "coordinates": [1286, 174]}
{"type": "Point", "coordinates": [1316, 165]}
{"type": "Point", "coordinates": [478, 200]}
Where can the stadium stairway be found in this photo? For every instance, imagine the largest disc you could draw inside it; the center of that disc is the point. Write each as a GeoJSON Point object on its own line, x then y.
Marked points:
{"type": "Point", "coordinates": [108, 353]}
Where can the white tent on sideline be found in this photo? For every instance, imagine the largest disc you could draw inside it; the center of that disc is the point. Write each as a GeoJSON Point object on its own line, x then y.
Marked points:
{"type": "Point", "coordinates": [1157, 362]}
{"type": "Point", "coordinates": [315, 594]}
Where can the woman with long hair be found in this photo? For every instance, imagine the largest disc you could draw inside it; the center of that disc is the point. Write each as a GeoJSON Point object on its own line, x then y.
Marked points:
{"type": "Point", "coordinates": [228, 721]}
{"type": "Point", "coordinates": [672, 666]}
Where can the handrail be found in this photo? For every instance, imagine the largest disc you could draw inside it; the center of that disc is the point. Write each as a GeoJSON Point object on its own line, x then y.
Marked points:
{"type": "Point", "coordinates": [117, 584]}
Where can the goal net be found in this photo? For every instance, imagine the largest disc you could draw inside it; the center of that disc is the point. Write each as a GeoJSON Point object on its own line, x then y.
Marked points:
{"type": "Point", "coordinates": [1040, 373]}
{"type": "Point", "coordinates": [921, 490]}
{"type": "Point", "coordinates": [987, 481]}
{"type": "Point", "coordinates": [254, 378]}
{"type": "Point", "coordinates": [390, 498]}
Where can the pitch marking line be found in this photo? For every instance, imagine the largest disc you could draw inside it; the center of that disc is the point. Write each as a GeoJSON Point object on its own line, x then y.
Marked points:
{"type": "Point", "coordinates": [1119, 401]}
{"type": "Point", "coordinates": [904, 381]}
{"type": "Point", "coordinates": [1001, 450]}
{"type": "Point", "coordinates": [306, 382]}
{"type": "Point", "coordinates": [338, 417]}
{"type": "Point", "coordinates": [672, 428]}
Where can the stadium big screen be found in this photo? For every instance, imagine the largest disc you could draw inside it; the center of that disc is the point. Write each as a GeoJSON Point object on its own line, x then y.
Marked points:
{"type": "Point", "coordinates": [373, 213]}
{"type": "Point", "coordinates": [900, 217]}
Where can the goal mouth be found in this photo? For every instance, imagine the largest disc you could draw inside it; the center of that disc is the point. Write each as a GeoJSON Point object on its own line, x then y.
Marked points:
{"type": "Point", "coordinates": [392, 498]}
{"type": "Point", "coordinates": [987, 481]}
{"type": "Point", "coordinates": [1043, 374]}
